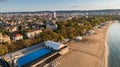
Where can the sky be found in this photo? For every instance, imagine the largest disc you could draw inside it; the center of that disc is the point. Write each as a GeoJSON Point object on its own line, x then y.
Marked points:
{"type": "Point", "coordinates": [54, 5]}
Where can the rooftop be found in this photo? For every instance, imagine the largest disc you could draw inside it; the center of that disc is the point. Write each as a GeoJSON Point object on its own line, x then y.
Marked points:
{"type": "Point", "coordinates": [17, 35]}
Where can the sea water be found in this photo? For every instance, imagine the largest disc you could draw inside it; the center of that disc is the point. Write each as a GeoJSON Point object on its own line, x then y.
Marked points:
{"type": "Point", "coordinates": [114, 44]}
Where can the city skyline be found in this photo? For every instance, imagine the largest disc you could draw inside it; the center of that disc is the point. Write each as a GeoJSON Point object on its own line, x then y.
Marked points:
{"type": "Point", "coordinates": [53, 5]}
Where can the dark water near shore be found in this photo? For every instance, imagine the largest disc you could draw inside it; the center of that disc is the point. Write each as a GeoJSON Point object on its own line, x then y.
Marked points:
{"type": "Point", "coordinates": [114, 44]}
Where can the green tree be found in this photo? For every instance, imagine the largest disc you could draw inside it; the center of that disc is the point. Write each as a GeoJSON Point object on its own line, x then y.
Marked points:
{"type": "Point", "coordinates": [3, 49]}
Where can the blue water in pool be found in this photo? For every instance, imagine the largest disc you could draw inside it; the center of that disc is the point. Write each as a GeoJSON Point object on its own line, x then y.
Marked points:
{"type": "Point", "coordinates": [32, 56]}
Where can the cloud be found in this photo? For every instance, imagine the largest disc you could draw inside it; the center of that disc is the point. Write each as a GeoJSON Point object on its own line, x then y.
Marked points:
{"type": "Point", "coordinates": [75, 6]}
{"type": "Point", "coordinates": [80, 6]}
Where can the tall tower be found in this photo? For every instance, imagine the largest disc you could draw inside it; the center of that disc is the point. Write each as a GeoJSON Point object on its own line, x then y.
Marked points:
{"type": "Point", "coordinates": [54, 15]}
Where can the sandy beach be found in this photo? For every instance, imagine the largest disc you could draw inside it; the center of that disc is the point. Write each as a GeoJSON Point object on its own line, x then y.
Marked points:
{"type": "Point", "coordinates": [92, 53]}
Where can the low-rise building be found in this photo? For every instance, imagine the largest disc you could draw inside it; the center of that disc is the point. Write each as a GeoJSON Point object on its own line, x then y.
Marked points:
{"type": "Point", "coordinates": [37, 26]}
{"type": "Point", "coordinates": [17, 37]}
{"type": "Point", "coordinates": [4, 38]}
{"type": "Point", "coordinates": [37, 32]}
{"type": "Point", "coordinates": [33, 33]}
{"type": "Point", "coordinates": [22, 27]}
{"type": "Point", "coordinates": [11, 28]}
{"type": "Point", "coordinates": [30, 34]}
{"type": "Point", "coordinates": [51, 25]}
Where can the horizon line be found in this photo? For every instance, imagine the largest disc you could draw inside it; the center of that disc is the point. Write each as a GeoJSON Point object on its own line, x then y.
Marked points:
{"type": "Point", "coordinates": [58, 10]}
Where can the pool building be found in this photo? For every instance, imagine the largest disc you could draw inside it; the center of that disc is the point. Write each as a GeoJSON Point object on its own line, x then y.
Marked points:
{"type": "Point", "coordinates": [37, 56]}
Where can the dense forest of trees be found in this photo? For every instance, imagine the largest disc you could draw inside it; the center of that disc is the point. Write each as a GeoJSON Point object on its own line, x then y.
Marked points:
{"type": "Point", "coordinates": [66, 29]}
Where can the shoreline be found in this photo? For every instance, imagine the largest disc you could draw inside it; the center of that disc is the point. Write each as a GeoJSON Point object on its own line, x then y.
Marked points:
{"type": "Point", "coordinates": [106, 47]}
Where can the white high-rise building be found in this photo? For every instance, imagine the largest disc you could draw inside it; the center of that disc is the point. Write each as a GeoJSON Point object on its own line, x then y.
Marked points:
{"type": "Point", "coordinates": [54, 14]}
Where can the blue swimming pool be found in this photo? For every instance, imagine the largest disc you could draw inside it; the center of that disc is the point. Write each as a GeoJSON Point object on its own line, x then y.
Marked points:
{"type": "Point", "coordinates": [32, 56]}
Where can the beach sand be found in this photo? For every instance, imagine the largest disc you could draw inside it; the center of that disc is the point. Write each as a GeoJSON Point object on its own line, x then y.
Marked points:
{"type": "Point", "coordinates": [92, 53]}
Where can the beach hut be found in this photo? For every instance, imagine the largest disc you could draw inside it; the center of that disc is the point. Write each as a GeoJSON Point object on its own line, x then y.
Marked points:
{"type": "Point", "coordinates": [78, 38]}
{"type": "Point", "coordinates": [91, 32]}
